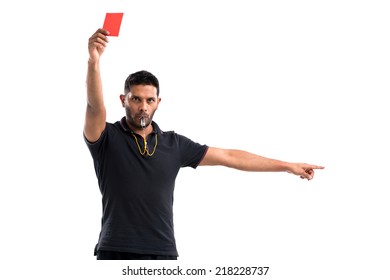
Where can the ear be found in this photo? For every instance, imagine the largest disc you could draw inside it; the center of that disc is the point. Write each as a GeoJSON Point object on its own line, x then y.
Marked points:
{"type": "Point", "coordinates": [158, 101]}
{"type": "Point", "coordinates": [122, 98]}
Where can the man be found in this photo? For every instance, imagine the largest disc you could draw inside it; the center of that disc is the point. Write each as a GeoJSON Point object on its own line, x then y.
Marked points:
{"type": "Point", "coordinates": [136, 164]}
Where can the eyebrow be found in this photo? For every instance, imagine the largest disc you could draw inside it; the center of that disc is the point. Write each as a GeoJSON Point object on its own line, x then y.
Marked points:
{"type": "Point", "coordinates": [139, 97]}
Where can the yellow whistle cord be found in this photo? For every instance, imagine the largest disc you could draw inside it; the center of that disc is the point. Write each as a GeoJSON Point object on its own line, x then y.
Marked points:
{"type": "Point", "coordinates": [146, 149]}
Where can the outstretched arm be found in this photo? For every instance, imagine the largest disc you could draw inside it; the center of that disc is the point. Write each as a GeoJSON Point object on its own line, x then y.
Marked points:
{"type": "Point", "coordinates": [95, 117]}
{"type": "Point", "coordinates": [250, 162]}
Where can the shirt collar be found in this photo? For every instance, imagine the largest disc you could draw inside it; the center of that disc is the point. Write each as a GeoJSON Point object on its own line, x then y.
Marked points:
{"type": "Point", "coordinates": [125, 126]}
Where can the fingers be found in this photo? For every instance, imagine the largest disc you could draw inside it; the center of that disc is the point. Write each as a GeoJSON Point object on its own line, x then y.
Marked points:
{"type": "Point", "coordinates": [99, 38]}
{"type": "Point", "coordinates": [311, 166]}
{"type": "Point", "coordinates": [309, 171]}
{"type": "Point", "coordinates": [307, 174]}
{"type": "Point", "coordinates": [317, 167]}
{"type": "Point", "coordinates": [102, 32]}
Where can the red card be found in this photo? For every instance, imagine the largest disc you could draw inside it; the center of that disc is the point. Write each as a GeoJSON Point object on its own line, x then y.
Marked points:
{"type": "Point", "coordinates": [112, 23]}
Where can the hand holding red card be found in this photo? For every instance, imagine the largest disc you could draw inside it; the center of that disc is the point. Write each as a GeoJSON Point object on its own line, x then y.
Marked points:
{"type": "Point", "coordinates": [112, 23]}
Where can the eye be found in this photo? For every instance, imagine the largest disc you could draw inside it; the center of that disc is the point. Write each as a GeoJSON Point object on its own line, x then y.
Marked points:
{"type": "Point", "coordinates": [151, 100]}
{"type": "Point", "coordinates": [134, 98]}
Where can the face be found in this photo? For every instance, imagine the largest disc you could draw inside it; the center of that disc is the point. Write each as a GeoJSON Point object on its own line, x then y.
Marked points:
{"type": "Point", "coordinates": [141, 101]}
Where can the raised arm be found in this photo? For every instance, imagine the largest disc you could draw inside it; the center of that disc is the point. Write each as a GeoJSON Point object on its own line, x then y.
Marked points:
{"type": "Point", "coordinates": [250, 162]}
{"type": "Point", "coordinates": [95, 117]}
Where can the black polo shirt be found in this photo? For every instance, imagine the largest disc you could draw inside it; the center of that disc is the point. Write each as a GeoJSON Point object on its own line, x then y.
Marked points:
{"type": "Point", "coordinates": [137, 190]}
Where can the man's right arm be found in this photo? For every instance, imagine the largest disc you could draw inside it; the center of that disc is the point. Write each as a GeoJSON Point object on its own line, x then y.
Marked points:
{"type": "Point", "coordinates": [95, 117]}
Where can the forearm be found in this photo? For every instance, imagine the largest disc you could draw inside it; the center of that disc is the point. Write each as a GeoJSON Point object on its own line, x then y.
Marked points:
{"type": "Point", "coordinates": [246, 161]}
{"type": "Point", "coordinates": [95, 99]}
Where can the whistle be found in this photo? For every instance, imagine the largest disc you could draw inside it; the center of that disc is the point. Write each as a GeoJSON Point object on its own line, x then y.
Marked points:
{"type": "Point", "coordinates": [143, 122]}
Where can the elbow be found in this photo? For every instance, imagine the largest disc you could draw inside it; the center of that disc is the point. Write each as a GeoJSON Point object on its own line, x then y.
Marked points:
{"type": "Point", "coordinates": [232, 159]}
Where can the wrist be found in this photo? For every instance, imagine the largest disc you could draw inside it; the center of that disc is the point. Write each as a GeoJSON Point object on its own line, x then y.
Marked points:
{"type": "Point", "coordinates": [93, 64]}
{"type": "Point", "coordinates": [288, 167]}
{"type": "Point", "coordinates": [93, 60]}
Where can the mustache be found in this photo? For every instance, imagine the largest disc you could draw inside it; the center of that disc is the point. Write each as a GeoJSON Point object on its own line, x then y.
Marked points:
{"type": "Point", "coordinates": [142, 115]}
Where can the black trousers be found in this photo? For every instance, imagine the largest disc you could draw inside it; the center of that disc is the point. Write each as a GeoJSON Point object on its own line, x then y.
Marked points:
{"type": "Point", "coordinates": [111, 255]}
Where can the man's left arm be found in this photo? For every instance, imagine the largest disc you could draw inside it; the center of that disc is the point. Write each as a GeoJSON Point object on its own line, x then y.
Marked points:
{"type": "Point", "coordinates": [246, 161]}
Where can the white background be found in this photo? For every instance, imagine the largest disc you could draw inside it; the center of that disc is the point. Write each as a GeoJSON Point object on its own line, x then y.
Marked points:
{"type": "Point", "coordinates": [293, 80]}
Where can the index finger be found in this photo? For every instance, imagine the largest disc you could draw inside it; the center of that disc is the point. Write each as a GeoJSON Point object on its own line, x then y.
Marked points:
{"type": "Point", "coordinates": [310, 166]}
{"type": "Point", "coordinates": [101, 34]}
{"type": "Point", "coordinates": [103, 31]}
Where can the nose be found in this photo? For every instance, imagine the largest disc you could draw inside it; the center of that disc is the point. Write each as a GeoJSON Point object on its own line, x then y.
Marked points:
{"type": "Point", "coordinates": [143, 106]}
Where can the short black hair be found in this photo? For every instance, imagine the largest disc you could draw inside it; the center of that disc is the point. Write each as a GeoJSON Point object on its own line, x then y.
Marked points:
{"type": "Point", "coordinates": [141, 78]}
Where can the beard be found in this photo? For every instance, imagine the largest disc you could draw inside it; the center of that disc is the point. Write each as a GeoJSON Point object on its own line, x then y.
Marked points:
{"type": "Point", "coordinates": [134, 119]}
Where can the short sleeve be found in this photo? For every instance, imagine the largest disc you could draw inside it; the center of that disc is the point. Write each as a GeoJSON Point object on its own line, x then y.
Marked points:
{"type": "Point", "coordinates": [97, 147]}
{"type": "Point", "coordinates": [191, 153]}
